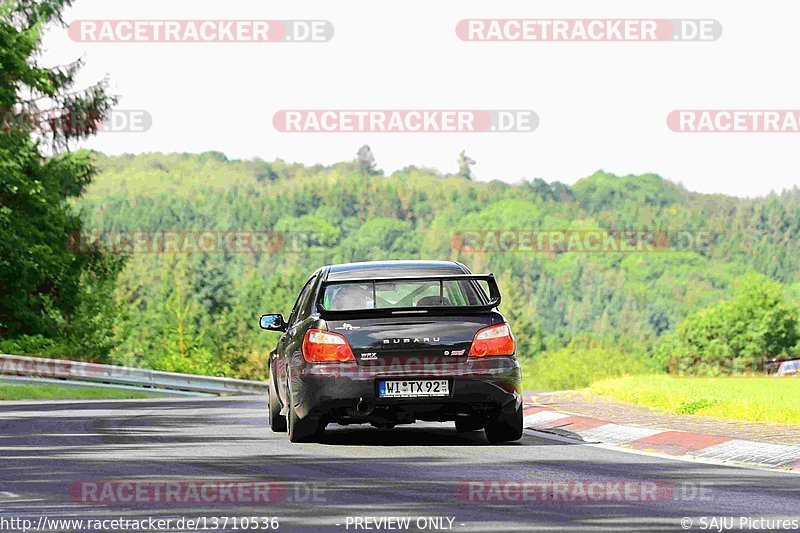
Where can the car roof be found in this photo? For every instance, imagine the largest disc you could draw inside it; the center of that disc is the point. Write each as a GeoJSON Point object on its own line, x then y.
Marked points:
{"type": "Point", "coordinates": [393, 268]}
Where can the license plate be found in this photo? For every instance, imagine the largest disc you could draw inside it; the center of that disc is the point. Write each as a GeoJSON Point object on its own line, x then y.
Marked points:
{"type": "Point", "coordinates": [413, 388]}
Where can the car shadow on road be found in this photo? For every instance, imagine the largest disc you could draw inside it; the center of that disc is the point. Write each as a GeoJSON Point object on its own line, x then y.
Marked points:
{"type": "Point", "coordinates": [445, 435]}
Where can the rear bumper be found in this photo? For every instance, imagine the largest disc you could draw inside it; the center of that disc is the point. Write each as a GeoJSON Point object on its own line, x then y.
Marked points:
{"type": "Point", "coordinates": [493, 383]}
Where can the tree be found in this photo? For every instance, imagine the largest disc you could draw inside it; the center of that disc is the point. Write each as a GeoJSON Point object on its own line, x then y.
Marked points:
{"type": "Point", "coordinates": [382, 238]}
{"type": "Point", "coordinates": [736, 335]}
{"type": "Point", "coordinates": [465, 163]}
{"type": "Point", "coordinates": [366, 161]}
{"type": "Point", "coordinates": [40, 276]}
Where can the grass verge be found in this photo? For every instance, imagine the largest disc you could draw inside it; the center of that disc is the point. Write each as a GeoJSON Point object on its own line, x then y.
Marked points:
{"type": "Point", "coordinates": [757, 399]}
{"type": "Point", "coordinates": [46, 391]}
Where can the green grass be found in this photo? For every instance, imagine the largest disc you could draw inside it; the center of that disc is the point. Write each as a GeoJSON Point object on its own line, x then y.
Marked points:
{"type": "Point", "coordinates": [12, 391]}
{"type": "Point", "coordinates": [760, 399]}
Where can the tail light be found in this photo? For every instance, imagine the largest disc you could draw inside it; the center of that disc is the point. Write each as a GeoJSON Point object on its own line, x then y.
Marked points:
{"type": "Point", "coordinates": [494, 340]}
{"type": "Point", "coordinates": [326, 347]}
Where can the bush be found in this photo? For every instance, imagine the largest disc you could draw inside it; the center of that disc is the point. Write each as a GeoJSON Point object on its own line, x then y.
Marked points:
{"type": "Point", "coordinates": [734, 336]}
{"type": "Point", "coordinates": [579, 365]}
{"type": "Point", "coordinates": [32, 345]}
{"type": "Point", "coordinates": [198, 361]}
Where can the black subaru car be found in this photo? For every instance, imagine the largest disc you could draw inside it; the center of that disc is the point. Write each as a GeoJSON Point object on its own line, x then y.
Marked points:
{"type": "Point", "coordinates": [394, 342]}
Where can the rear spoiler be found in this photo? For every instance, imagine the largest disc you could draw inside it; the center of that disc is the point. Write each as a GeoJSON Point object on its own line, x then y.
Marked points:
{"type": "Point", "coordinates": [492, 302]}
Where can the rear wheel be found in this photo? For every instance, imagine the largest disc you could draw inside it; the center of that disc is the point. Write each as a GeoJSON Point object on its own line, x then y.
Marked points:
{"type": "Point", "coordinates": [505, 427]}
{"type": "Point", "coordinates": [308, 429]}
{"type": "Point", "coordinates": [277, 422]}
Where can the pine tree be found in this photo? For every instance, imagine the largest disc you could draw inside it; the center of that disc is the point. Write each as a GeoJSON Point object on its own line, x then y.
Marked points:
{"type": "Point", "coordinates": [465, 163]}
{"type": "Point", "coordinates": [366, 161]}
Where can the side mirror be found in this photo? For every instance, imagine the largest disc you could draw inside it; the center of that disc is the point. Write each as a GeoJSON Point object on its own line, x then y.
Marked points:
{"type": "Point", "coordinates": [273, 322]}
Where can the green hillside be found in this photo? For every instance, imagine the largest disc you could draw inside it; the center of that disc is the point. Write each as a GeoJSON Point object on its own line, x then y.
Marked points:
{"type": "Point", "coordinates": [197, 312]}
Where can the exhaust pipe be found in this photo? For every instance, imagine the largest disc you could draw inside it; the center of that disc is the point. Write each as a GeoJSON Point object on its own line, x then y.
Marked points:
{"type": "Point", "coordinates": [364, 407]}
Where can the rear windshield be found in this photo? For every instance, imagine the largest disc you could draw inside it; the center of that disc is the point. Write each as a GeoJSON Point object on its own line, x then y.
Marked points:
{"type": "Point", "coordinates": [399, 294]}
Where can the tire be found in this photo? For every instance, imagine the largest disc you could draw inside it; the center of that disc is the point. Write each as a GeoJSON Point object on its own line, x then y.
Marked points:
{"type": "Point", "coordinates": [506, 427]}
{"type": "Point", "coordinates": [466, 424]}
{"type": "Point", "coordinates": [277, 422]}
{"type": "Point", "coordinates": [307, 429]}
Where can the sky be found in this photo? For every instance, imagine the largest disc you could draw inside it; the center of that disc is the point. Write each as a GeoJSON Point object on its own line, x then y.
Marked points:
{"type": "Point", "coordinates": [600, 105]}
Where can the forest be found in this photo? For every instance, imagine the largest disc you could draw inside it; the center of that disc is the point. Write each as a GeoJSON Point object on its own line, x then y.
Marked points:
{"type": "Point", "coordinates": [723, 303]}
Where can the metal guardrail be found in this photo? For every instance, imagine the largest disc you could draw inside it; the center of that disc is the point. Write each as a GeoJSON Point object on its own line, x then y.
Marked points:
{"type": "Point", "coordinates": [78, 371]}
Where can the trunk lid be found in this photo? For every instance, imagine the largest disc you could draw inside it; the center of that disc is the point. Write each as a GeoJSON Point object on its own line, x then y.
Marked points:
{"type": "Point", "coordinates": [411, 339]}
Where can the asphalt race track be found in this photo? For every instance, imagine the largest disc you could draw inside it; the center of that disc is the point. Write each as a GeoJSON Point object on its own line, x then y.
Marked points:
{"type": "Point", "coordinates": [52, 451]}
